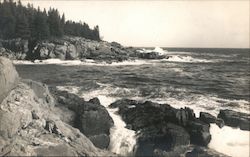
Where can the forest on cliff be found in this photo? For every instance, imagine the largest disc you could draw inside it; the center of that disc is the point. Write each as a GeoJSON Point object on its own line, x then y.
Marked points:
{"type": "Point", "coordinates": [27, 22]}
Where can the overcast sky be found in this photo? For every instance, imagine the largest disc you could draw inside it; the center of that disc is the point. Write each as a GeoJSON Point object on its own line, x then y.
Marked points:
{"type": "Point", "coordinates": [173, 23]}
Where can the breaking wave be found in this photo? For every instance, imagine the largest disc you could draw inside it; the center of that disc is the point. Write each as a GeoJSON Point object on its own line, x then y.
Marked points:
{"type": "Point", "coordinates": [187, 59]}
{"type": "Point", "coordinates": [230, 141]}
{"type": "Point", "coordinates": [82, 62]}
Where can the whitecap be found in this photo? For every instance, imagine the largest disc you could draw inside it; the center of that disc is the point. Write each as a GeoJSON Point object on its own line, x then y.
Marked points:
{"type": "Point", "coordinates": [230, 141]}
{"type": "Point", "coordinates": [187, 59]}
{"type": "Point", "coordinates": [82, 62]}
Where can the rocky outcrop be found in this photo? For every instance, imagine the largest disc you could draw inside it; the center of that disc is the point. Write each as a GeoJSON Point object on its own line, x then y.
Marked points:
{"type": "Point", "coordinates": [91, 118]}
{"type": "Point", "coordinates": [70, 48]}
{"type": "Point", "coordinates": [235, 119]}
{"type": "Point", "coordinates": [208, 118]}
{"type": "Point", "coordinates": [162, 126]}
{"type": "Point", "coordinates": [31, 124]}
{"type": "Point", "coordinates": [8, 77]}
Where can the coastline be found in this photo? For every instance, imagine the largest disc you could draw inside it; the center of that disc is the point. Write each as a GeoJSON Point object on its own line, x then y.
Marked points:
{"type": "Point", "coordinates": [185, 150]}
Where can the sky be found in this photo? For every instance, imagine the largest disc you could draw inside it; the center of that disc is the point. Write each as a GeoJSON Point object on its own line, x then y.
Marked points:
{"type": "Point", "coordinates": [174, 23]}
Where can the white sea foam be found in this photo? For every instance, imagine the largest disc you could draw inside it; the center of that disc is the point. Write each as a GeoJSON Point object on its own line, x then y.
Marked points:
{"type": "Point", "coordinates": [159, 50]}
{"type": "Point", "coordinates": [187, 59]}
{"type": "Point", "coordinates": [83, 62]}
{"type": "Point", "coordinates": [226, 140]}
{"type": "Point", "coordinates": [230, 141]}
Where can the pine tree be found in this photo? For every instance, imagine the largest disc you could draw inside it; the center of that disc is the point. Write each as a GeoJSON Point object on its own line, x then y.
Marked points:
{"type": "Point", "coordinates": [41, 26]}
{"type": "Point", "coordinates": [22, 27]}
{"type": "Point", "coordinates": [54, 23]}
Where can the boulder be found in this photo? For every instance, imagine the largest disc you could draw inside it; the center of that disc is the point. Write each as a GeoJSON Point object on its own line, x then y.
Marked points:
{"type": "Point", "coordinates": [8, 77]}
{"type": "Point", "coordinates": [199, 132]}
{"type": "Point", "coordinates": [208, 118]}
{"type": "Point", "coordinates": [162, 137]}
{"type": "Point", "coordinates": [235, 119]}
{"type": "Point", "coordinates": [94, 119]}
{"type": "Point", "coordinates": [91, 117]}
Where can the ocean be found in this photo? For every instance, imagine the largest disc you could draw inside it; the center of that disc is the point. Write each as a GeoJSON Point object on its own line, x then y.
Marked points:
{"type": "Point", "coordinates": [202, 79]}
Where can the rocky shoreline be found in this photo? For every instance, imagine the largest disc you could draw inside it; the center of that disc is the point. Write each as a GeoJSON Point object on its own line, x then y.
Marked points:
{"type": "Point", "coordinates": [40, 121]}
{"type": "Point", "coordinates": [72, 48]}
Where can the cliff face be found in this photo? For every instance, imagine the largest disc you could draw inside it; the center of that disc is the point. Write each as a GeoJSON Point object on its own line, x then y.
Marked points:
{"type": "Point", "coordinates": [70, 48]}
{"type": "Point", "coordinates": [8, 77]}
{"type": "Point", "coordinates": [31, 124]}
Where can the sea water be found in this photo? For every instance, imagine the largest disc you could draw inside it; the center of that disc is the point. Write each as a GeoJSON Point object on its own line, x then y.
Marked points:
{"type": "Point", "coordinates": [202, 79]}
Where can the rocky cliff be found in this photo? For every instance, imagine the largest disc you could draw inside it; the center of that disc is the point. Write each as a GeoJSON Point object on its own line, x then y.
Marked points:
{"type": "Point", "coordinates": [31, 123]}
{"type": "Point", "coordinates": [70, 48]}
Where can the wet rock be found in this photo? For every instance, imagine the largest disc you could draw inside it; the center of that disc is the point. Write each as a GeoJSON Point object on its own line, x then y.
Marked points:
{"type": "Point", "coordinates": [161, 121]}
{"type": "Point", "coordinates": [91, 117]}
{"type": "Point", "coordinates": [219, 122]}
{"type": "Point", "coordinates": [197, 151]}
{"type": "Point", "coordinates": [94, 119]}
{"type": "Point", "coordinates": [8, 77]}
{"type": "Point", "coordinates": [150, 55]}
{"type": "Point", "coordinates": [163, 137]}
{"type": "Point", "coordinates": [199, 132]}
{"type": "Point", "coordinates": [235, 119]}
{"type": "Point", "coordinates": [208, 118]}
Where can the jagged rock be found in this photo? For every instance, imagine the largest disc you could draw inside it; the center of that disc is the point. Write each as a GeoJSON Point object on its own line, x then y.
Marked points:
{"type": "Point", "coordinates": [31, 127]}
{"type": "Point", "coordinates": [8, 77]}
{"type": "Point", "coordinates": [235, 119]}
{"type": "Point", "coordinates": [199, 132]}
{"type": "Point", "coordinates": [208, 118]}
{"type": "Point", "coordinates": [47, 135]}
{"type": "Point", "coordinates": [150, 55]}
{"type": "Point", "coordinates": [91, 117]}
{"type": "Point", "coordinates": [156, 122]}
{"type": "Point", "coordinates": [16, 45]}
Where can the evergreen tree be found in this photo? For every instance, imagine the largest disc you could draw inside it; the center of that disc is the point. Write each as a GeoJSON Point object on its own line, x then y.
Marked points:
{"type": "Point", "coordinates": [55, 23]}
{"type": "Point", "coordinates": [41, 26]}
{"type": "Point", "coordinates": [17, 20]}
{"type": "Point", "coordinates": [22, 27]}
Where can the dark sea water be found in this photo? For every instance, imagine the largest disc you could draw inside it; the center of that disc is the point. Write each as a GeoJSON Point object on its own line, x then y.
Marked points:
{"type": "Point", "coordinates": [203, 79]}
{"type": "Point", "coordinates": [208, 79]}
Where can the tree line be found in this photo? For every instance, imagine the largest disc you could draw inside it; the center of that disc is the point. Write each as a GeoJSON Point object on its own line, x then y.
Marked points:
{"type": "Point", "coordinates": [27, 22]}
